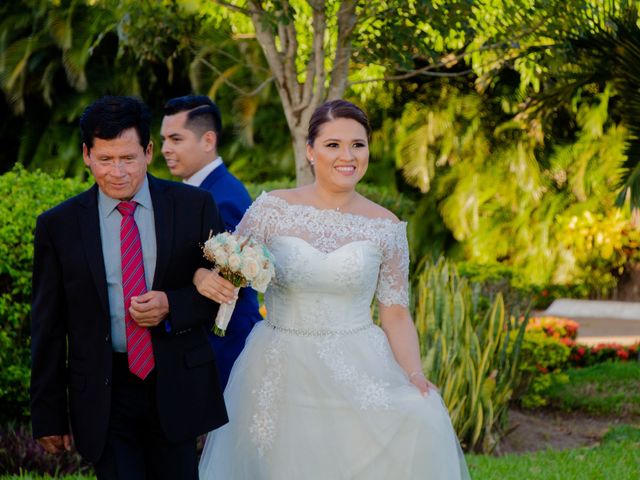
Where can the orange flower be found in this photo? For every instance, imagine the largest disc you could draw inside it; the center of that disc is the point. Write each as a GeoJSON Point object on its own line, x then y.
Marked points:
{"type": "Point", "coordinates": [568, 342]}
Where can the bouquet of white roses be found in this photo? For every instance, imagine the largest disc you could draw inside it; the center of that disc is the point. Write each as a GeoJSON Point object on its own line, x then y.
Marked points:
{"type": "Point", "coordinates": [241, 260]}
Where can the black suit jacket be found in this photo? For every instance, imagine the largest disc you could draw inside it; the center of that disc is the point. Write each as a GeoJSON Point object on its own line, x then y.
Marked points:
{"type": "Point", "coordinates": [71, 338]}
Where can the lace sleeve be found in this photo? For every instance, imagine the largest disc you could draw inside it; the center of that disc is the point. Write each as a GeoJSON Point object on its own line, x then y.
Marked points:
{"type": "Point", "coordinates": [260, 219]}
{"type": "Point", "coordinates": [393, 280]}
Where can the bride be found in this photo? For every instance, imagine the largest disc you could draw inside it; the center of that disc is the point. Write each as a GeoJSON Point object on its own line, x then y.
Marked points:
{"type": "Point", "coordinates": [320, 391]}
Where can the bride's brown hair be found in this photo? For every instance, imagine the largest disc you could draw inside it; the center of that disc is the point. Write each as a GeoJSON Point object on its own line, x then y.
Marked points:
{"type": "Point", "coordinates": [333, 110]}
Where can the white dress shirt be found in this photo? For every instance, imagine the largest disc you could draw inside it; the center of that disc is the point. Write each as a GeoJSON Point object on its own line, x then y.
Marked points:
{"type": "Point", "coordinates": [197, 178]}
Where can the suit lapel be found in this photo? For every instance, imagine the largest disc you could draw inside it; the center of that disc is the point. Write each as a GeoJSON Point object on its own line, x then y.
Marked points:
{"type": "Point", "coordinates": [163, 219]}
{"type": "Point", "coordinates": [89, 226]}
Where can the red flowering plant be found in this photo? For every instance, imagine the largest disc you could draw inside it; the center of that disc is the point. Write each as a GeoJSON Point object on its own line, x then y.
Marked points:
{"type": "Point", "coordinates": [578, 354]}
{"type": "Point", "coordinates": [566, 331]}
{"type": "Point", "coordinates": [582, 355]}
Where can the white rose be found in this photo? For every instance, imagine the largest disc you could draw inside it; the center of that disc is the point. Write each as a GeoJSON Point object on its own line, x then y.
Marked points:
{"type": "Point", "coordinates": [262, 281]}
{"type": "Point", "coordinates": [221, 257]}
{"type": "Point", "coordinates": [234, 262]}
{"type": "Point", "coordinates": [231, 240]}
{"type": "Point", "coordinates": [210, 245]}
{"type": "Point", "coordinates": [249, 252]}
{"type": "Point", "coordinates": [250, 269]}
{"type": "Point", "coordinates": [221, 238]}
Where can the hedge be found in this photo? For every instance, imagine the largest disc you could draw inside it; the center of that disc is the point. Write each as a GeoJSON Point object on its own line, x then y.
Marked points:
{"type": "Point", "coordinates": [24, 196]}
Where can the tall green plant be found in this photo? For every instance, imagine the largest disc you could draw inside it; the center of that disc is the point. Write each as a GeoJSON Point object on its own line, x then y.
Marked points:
{"type": "Point", "coordinates": [24, 196]}
{"type": "Point", "coordinates": [467, 353]}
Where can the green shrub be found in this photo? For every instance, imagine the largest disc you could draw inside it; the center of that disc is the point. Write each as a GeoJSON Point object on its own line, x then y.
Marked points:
{"type": "Point", "coordinates": [399, 204]}
{"type": "Point", "coordinates": [490, 279]}
{"type": "Point", "coordinates": [24, 196]}
{"type": "Point", "coordinates": [602, 247]}
{"type": "Point", "coordinates": [473, 357]}
{"type": "Point", "coordinates": [518, 292]}
{"type": "Point", "coordinates": [394, 201]}
{"type": "Point", "coordinates": [542, 359]}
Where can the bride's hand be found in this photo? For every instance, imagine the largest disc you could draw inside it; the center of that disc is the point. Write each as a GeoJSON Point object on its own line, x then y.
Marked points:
{"type": "Point", "coordinates": [211, 285]}
{"type": "Point", "coordinates": [421, 383]}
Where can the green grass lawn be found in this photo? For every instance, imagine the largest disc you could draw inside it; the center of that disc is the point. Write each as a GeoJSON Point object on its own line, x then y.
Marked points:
{"type": "Point", "coordinates": [618, 457]}
{"type": "Point", "coordinates": [610, 388]}
{"type": "Point", "coordinates": [613, 460]}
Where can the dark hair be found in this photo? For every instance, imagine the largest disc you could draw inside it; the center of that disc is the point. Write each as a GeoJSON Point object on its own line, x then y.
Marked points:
{"type": "Point", "coordinates": [109, 116]}
{"type": "Point", "coordinates": [203, 115]}
{"type": "Point", "coordinates": [333, 110]}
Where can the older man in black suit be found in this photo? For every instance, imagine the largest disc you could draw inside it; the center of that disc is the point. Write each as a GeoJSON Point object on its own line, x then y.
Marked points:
{"type": "Point", "coordinates": [119, 347]}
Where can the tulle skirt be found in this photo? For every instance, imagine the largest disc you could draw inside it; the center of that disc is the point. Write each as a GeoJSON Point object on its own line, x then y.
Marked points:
{"type": "Point", "coordinates": [328, 407]}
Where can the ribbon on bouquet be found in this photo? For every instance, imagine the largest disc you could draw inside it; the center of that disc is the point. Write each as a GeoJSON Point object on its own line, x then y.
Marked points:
{"type": "Point", "coordinates": [224, 315]}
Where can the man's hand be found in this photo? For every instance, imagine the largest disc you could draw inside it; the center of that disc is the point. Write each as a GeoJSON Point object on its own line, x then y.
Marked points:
{"type": "Point", "coordinates": [150, 308]}
{"type": "Point", "coordinates": [56, 443]}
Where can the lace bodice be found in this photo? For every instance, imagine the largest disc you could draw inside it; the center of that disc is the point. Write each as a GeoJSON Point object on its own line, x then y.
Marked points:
{"type": "Point", "coordinates": [346, 258]}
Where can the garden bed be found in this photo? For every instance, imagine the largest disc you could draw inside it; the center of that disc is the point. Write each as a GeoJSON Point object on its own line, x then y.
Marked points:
{"type": "Point", "coordinates": [531, 431]}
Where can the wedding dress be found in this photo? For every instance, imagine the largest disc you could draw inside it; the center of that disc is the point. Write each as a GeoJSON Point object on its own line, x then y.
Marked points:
{"type": "Point", "coordinates": [316, 392]}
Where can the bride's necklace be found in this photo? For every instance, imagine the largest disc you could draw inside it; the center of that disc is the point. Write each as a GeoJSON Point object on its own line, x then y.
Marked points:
{"type": "Point", "coordinates": [343, 206]}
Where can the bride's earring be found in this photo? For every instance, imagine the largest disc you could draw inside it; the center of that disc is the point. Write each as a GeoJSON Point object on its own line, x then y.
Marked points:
{"type": "Point", "coordinates": [312, 161]}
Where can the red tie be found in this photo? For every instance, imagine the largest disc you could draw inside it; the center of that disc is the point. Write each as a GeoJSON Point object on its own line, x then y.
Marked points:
{"type": "Point", "coordinates": [139, 348]}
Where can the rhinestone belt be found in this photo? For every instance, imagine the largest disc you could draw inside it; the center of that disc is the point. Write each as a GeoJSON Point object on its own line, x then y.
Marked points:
{"type": "Point", "coordinates": [317, 333]}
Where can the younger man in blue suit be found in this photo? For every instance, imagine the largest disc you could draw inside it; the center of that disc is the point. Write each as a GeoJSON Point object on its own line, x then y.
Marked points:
{"type": "Point", "coordinates": [190, 132]}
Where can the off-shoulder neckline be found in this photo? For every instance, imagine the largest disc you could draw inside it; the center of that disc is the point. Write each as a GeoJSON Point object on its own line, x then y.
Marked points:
{"type": "Point", "coordinates": [329, 211]}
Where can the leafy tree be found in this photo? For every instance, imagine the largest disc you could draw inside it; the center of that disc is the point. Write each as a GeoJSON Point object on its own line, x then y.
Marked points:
{"type": "Point", "coordinates": [317, 49]}
{"type": "Point", "coordinates": [570, 50]}
{"type": "Point", "coordinates": [151, 49]}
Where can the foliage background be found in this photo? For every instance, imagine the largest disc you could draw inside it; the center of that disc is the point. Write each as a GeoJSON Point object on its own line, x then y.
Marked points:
{"type": "Point", "coordinates": [492, 119]}
{"type": "Point", "coordinates": [502, 132]}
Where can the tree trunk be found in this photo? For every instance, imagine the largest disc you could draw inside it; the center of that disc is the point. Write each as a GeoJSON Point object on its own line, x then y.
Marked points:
{"type": "Point", "coordinates": [278, 39]}
{"type": "Point", "coordinates": [628, 288]}
{"type": "Point", "coordinates": [304, 174]}
{"type": "Point", "coordinates": [298, 122]}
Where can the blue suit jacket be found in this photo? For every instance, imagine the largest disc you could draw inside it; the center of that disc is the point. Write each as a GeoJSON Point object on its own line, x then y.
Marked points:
{"type": "Point", "coordinates": [232, 200]}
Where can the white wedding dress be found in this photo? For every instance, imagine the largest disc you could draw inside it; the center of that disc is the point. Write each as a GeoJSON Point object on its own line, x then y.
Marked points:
{"type": "Point", "coordinates": [316, 392]}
